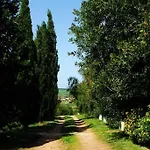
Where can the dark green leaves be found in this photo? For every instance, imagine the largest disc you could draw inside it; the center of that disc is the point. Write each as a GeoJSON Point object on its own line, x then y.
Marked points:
{"type": "Point", "coordinates": [113, 44]}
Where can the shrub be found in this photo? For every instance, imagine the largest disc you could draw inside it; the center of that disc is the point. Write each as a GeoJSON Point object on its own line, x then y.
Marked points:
{"type": "Point", "coordinates": [141, 134]}
{"type": "Point", "coordinates": [130, 121]}
{"type": "Point", "coordinates": [64, 109]}
{"type": "Point", "coordinates": [113, 118]}
{"type": "Point", "coordinates": [113, 123]}
{"type": "Point", "coordinates": [137, 126]}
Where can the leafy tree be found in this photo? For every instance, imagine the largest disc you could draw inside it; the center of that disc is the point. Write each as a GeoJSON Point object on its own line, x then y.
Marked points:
{"type": "Point", "coordinates": [73, 86]}
{"type": "Point", "coordinates": [113, 47]}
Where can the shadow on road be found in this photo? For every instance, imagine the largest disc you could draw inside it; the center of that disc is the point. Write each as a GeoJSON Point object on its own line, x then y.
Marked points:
{"type": "Point", "coordinates": [31, 137]}
{"type": "Point", "coordinates": [40, 135]}
{"type": "Point", "coordinates": [80, 125]}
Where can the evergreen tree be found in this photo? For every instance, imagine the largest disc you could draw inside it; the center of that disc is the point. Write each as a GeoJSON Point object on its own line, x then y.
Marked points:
{"type": "Point", "coordinates": [27, 80]}
{"type": "Point", "coordinates": [48, 68]}
{"type": "Point", "coordinates": [44, 76]}
{"type": "Point", "coordinates": [8, 44]}
{"type": "Point", "coordinates": [54, 64]}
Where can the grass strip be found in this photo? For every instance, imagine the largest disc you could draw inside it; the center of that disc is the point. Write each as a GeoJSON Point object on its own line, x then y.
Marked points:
{"type": "Point", "coordinates": [69, 139]}
{"type": "Point", "coordinates": [116, 138]}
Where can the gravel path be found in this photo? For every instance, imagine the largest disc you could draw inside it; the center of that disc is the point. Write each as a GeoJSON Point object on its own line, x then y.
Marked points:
{"type": "Point", "coordinates": [87, 139]}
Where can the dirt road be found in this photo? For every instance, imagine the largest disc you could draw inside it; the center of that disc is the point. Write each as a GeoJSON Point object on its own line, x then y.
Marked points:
{"type": "Point", "coordinates": [86, 139]}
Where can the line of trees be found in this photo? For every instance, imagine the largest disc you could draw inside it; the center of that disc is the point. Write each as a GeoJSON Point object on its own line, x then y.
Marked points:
{"type": "Point", "coordinates": [112, 41]}
{"type": "Point", "coordinates": [28, 78]}
{"type": "Point", "coordinates": [113, 44]}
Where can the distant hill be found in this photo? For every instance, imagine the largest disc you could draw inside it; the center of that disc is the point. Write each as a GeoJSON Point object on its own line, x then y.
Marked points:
{"type": "Point", "coordinates": [63, 93]}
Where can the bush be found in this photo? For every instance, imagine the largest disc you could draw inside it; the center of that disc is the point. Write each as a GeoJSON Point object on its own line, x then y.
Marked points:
{"type": "Point", "coordinates": [114, 117]}
{"type": "Point", "coordinates": [113, 123]}
{"type": "Point", "coordinates": [64, 109]}
{"type": "Point", "coordinates": [130, 121]}
{"type": "Point", "coordinates": [137, 126]}
{"type": "Point", "coordinates": [141, 134]}
{"type": "Point", "coordinates": [95, 112]}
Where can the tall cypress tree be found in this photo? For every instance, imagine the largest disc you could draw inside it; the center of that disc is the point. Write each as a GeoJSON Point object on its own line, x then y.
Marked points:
{"type": "Point", "coordinates": [39, 69]}
{"type": "Point", "coordinates": [48, 68]}
{"type": "Point", "coordinates": [43, 58]}
{"type": "Point", "coordinates": [27, 47]}
{"type": "Point", "coordinates": [27, 78]}
{"type": "Point", "coordinates": [8, 34]}
{"type": "Point", "coordinates": [54, 64]}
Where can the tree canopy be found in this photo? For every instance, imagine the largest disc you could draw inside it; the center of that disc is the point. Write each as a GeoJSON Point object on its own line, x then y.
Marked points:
{"type": "Point", "coordinates": [113, 45]}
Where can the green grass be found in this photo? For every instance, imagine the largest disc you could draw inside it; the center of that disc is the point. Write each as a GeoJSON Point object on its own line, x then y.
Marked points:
{"type": "Point", "coordinates": [68, 137]}
{"type": "Point", "coordinates": [116, 138]}
{"type": "Point", "coordinates": [63, 93]}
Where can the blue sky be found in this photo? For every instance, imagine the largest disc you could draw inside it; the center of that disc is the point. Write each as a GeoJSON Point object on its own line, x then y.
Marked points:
{"type": "Point", "coordinates": [62, 17]}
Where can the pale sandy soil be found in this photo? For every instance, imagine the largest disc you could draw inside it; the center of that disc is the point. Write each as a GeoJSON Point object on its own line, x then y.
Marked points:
{"type": "Point", "coordinates": [87, 139]}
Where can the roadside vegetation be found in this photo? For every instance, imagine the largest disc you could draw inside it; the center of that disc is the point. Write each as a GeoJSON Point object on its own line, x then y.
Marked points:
{"type": "Point", "coordinates": [29, 67]}
{"type": "Point", "coordinates": [113, 43]}
{"type": "Point", "coordinates": [64, 108]}
{"type": "Point", "coordinates": [115, 137]}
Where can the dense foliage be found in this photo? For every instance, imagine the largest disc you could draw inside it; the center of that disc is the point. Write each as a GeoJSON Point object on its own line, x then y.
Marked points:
{"type": "Point", "coordinates": [112, 39]}
{"type": "Point", "coordinates": [24, 67]}
{"type": "Point", "coordinates": [26, 77]}
{"type": "Point", "coordinates": [137, 125]}
{"type": "Point", "coordinates": [8, 38]}
{"type": "Point", "coordinates": [64, 108]}
{"type": "Point", "coordinates": [47, 68]}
